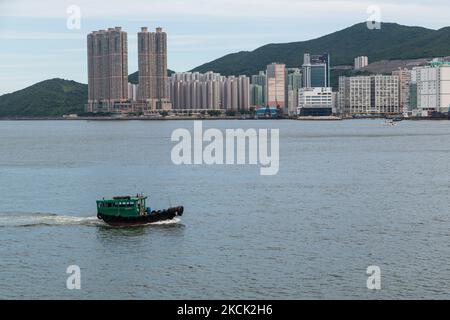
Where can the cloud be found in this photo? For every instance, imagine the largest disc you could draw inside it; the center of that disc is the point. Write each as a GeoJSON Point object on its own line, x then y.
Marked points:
{"type": "Point", "coordinates": [148, 9]}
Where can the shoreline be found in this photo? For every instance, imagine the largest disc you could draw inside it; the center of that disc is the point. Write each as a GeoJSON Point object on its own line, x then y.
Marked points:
{"type": "Point", "coordinates": [327, 119]}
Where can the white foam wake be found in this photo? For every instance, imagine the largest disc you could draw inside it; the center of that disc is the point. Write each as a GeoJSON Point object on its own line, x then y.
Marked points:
{"type": "Point", "coordinates": [165, 222]}
{"type": "Point", "coordinates": [43, 219]}
{"type": "Point", "coordinates": [48, 219]}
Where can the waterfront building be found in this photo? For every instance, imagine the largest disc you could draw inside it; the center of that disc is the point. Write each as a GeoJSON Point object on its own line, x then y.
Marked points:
{"type": "Point", "coordinates": [404, 77]}
{"type": "Point", "coordinates": [361, 62]}
{"type": "Point", "coordinates": [433, 87]}
{"type": "Point", "coordinates": [376, 94]}
{"type": "Point", "coordinates": [152, 62]}
{"type": "Point", "coordinates": [292, 102]}
{"type": "Point", "coordinates": [294, 83]}
{"type": "Point", "coordinates": [412, 101]}
{"type": "Point", "coordinates": [244, 93]}
{"type": "Point", "coordinates": [256, 96]}
{"type": "Point", "coordinates": [260, 80]}
{"type": "Point", "coordinates": [132, 92]}
{"type": "Point", "coordinates": [209, 91]}
{"type": "Point", "coordinates": [315, 102]}
{"type": "Point", "coordinates": [107, 70]}
{"type": "Point", "coordinates": [316, 70]}
{"type": "Point", "coordinates": [294, 78]}
{"type": "Point", "coordinates": [276, 86]}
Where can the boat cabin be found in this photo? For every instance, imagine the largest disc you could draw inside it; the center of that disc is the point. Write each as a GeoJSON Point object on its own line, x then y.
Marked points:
{"type": "Point", "coordinates": [123, 206]}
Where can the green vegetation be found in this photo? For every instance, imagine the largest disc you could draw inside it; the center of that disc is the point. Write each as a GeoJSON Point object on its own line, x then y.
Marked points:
{"type": "Point", "coordinates": [214, 113]}
{"type": "Point", "coordinates": [230, 113]}
{"type": "Point", "coordinates": [134, 77]}
{"type": "Point", "coordinates": [392, 41]}
{"type": "Point", "coordinates": [56, 97]}
{"type": "Point", "coordinates": [50, 98]}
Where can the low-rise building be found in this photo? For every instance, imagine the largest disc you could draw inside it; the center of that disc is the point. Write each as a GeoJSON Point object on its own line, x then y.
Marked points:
{"type": "Point", "coordinates": [315, 102]}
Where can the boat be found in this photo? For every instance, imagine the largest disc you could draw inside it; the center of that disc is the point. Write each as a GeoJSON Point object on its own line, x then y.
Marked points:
{"type": "Point", "coordinates": [390, 122]}
{"type": "Point", "coordinates": [132, 211]}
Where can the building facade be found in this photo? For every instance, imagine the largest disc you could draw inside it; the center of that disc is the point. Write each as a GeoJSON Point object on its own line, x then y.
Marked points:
{"type": "Point", "coordinates": [209, 91]}
{"type": "Point", "coordinates": [276, 86]}
{"type": "Point", "coordinates": [260, 80]}
{"type": "Point", "coordinates": [315, 102]}
{"type": "Point", "coordinates": [152, 62]}
{"type": "Point", "coordinates": [316, 70]}
{"type": "Point", "coordinates": [361, 62]}
{"type": "Point", "coordinates": [433, 87]}
{"type": "Point", "coordinates": [107, 70]}
{"type": "Point", "coordinates": [404, 78]}
{"type": "Point", "coordinates": [377, 94]}
{"type": "Point", "coordinates": [257, 96]}
{"type": "Point", "coordinates": [294, 83]}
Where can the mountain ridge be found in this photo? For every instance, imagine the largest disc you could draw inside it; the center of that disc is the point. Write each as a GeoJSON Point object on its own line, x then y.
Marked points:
{"type": "Point", "coordinates": [392, 41]}
{"type": "Point", "coordinates": [56, 97]}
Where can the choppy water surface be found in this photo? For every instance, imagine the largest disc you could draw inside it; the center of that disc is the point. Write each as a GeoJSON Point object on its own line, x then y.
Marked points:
{"type": "Point", "coordinates": [348, 195]}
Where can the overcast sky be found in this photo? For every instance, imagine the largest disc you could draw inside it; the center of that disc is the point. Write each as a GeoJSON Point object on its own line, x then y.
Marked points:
{"type": "Point", "coordinates": [37, 45]}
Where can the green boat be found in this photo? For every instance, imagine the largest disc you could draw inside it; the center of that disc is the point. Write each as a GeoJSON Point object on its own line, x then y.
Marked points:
{"type": "Point", "coordinates": [130, 211]}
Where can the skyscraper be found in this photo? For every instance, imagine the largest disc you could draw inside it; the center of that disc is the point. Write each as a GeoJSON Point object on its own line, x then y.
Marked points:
{"type": "Point", "coordinates": [276, 86]}
{"type": "Point", "coordinates": [260, 80]}
{"type": "Point", "coordinates": [107, 69]}
{"type": "Point", "coordinates": [152, 61]}
{"type": "Point", "coordinates": [294, 83]}
{"type": "Point", "coordinates": [323, 59]}
{"type": "Point", "coordinates": [316, 70]}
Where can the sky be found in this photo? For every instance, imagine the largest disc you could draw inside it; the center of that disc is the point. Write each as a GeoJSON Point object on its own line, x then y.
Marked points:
{"type": "Point", "coordinates": [40, 40]}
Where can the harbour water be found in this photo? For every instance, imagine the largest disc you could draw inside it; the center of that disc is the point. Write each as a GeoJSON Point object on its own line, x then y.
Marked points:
{"type": "Point", "coordinates": [348, 195]}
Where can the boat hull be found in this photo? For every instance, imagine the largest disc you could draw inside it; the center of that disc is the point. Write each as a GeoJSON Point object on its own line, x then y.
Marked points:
{"type": "Point", "coordinates": [155, 216]}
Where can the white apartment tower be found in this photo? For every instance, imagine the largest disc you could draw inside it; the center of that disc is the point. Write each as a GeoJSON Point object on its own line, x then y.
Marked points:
{"type": "Point", "coordinates": [377, 94]}
{"type": "Point", "coordinates": [433, 87]}
{"type": "Point", "coordinates": [361, 62]}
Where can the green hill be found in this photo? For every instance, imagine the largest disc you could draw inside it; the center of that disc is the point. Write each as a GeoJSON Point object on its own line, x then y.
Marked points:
{"type": "Point", "coordinates": [57, 97]}
{"type": "Point", "coordinates": [392, 41]}
{"type": "Point", "coordinates": [134, 77]}
{"type": "Point", "coordinates": [48, 98]}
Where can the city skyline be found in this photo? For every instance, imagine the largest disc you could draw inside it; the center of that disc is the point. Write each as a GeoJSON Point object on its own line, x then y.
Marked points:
{"type": "Point", "coordinates": [198, 36]}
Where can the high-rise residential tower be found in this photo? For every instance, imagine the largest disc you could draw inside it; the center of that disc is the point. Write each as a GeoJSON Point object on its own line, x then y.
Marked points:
{"type": "Point", "coordinates": [404, 77]}
{"type": "Point", "coordinates": [375, 94]}
{"type": "Point", "coordinates": [152, 61]}
{"type": "Point", "coordinates": [260, 80]}
{"type": "Point", "coordinates": [107, 69]}
{"type": "Point", "coordinates": [433, 87]}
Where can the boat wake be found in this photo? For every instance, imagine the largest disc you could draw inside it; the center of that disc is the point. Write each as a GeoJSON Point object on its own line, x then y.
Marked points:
{"type": "Point", "coordinates": [44, 219]}
{"type": "Point", "coordinates": [165, 222]}
{"type": "Point", "coordinates": [48, 219]}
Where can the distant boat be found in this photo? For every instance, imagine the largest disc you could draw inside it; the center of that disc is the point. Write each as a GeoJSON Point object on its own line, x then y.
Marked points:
{"type": "Point", "coordinates": [132, 211]}
{"type": "Point", "coordinates": [391, 122]}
